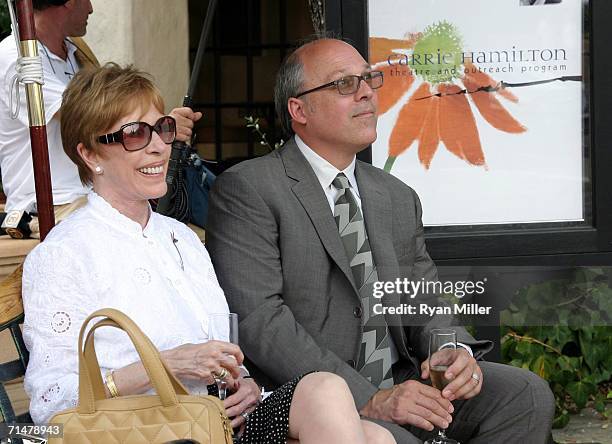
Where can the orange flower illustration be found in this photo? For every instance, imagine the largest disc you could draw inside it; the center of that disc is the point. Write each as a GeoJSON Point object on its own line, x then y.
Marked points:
{"type": "Point", "coordinates": [439, 110]}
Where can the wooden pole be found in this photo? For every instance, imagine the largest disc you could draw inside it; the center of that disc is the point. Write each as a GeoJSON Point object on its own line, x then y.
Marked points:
{"type": "Point", "coordinates": [36, 115]}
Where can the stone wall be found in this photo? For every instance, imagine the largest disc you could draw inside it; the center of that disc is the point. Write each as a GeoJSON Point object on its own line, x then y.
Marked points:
{"type": "Point", "coordinates": [151, 34]}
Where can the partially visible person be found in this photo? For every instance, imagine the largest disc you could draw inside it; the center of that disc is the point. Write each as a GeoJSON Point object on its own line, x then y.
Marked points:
{"type": "Point", "coordinates": [115, 252]}
{"type": "Point", "coordinates": [54, 25]}
{"type": "Point", "coordinates": [59, 26]}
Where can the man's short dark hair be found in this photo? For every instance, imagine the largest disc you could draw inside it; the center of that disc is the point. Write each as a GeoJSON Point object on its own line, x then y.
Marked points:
{"type": "Point", "coordinates": [44, 4]}
{"type": "Point", "coordinates": [289, 81]}
{"type": "Point", "coordinates": [290, 78]}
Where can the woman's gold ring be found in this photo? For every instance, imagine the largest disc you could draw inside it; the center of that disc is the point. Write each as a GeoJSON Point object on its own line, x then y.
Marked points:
{"type": "Point", "coordinates": [221, 375]}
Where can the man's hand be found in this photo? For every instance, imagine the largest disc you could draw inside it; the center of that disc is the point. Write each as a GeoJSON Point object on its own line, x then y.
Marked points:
{"type": "Point", "coordinates": [185, 118]}
{"type": "Point", "coordinates": [462, 385]}
{"type": "Point", "coordinates": [244, 400]}
{"type": "Point", "coordinates": [410, 402]}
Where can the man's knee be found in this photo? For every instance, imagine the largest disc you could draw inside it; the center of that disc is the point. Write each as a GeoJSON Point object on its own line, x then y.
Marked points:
{"type": "Point", "coordinates": [505, 378]}
{"type": "Point", "coordinates": [519, 389]}
{"type": "Point", "coordinates": [513, 402]}
{"type": "Point", "coordinates": [537, 392]}
{"type": "Point", "coordinates": [542, 395]}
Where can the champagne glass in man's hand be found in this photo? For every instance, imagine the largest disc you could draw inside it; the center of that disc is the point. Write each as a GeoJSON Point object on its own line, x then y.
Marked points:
{"type": "Point", "coordinates": [442, 354]}
{"type": "Point", "coordinates": [223, 327]}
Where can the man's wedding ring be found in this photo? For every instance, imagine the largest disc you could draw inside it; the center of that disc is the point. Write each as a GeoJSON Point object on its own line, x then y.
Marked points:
{"type": "Point", "coordinates": [475, 377]}
{"type": "Point", "coordinates": [221, 375]}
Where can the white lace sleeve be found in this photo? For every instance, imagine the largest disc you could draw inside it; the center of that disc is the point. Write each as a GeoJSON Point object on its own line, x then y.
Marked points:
{"type": "Point", "coordinates": [56, 300]}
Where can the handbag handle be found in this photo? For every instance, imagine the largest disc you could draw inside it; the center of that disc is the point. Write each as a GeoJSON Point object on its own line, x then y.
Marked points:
{"type": "Point", "coordinates": [94, 367]}
{"type": "Point", "coordinates": [91, 387]}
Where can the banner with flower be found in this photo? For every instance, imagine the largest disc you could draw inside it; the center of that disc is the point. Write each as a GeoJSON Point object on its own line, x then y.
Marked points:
{"type": "Point", "coordinates": [481, 110]}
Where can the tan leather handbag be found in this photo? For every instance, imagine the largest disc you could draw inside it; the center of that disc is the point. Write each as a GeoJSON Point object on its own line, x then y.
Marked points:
{"type": "Point", "coordinates": [170, 415]}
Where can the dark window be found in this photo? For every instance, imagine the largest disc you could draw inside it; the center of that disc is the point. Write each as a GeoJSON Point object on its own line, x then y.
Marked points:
{"type": "Point", "coordinates": [248, 41]}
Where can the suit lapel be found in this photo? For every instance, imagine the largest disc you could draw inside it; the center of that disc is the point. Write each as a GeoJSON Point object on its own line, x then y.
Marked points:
{"type": "Point", "coordinates": [376, 208]}
{"type": "Point", "coordinates": [308, 191]}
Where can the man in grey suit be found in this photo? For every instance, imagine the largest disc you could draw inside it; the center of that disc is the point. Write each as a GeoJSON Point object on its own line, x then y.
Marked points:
{"type": "Point", "coordinates": [287, 235]}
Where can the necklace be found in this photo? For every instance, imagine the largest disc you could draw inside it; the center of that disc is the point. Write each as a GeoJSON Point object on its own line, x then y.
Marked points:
{"type": "Point", "coordinates": [69, 62]}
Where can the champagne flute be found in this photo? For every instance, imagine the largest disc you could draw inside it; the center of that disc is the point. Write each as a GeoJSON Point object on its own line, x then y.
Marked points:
{"type": "Point", "coordinates": [223, 327]}
{"type": "Point", "coordinates": [442, 352]}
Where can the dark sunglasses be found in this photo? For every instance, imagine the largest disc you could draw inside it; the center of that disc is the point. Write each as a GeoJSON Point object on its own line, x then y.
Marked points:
{"type": "Point", "coordinates": [135, 136]}
{"type": "Point", "coordinates": [348, 85]}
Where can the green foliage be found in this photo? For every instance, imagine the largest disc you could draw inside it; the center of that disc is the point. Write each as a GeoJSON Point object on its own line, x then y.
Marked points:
{"type": "Point", "coordinates": [5, 19]}
{"type": "Point", "coordinates": [561, 330]}
{"type": "Point", "coordinates": [253, 123]}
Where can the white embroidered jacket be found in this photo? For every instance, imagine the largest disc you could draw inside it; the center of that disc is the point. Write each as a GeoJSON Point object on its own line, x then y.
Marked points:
{"type": "Point", "coordinates": [99, 258]}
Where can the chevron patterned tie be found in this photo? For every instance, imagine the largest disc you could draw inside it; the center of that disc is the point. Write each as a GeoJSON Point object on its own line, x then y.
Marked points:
{"type": "Point", "coordinates": [375, 358]}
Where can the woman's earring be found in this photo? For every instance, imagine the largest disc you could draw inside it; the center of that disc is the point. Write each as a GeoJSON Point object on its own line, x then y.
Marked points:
{"type": "Point", "coordinates": [99, 170]}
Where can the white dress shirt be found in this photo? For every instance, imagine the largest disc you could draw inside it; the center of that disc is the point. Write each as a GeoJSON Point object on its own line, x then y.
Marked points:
{"type": "Point", "coordinates": [98, 258]}
{"type": "Point", "coordinates": [326, 173]}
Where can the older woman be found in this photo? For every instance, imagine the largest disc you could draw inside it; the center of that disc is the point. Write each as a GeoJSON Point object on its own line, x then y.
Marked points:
{"type": "Point", "coordinates": [115, 252]}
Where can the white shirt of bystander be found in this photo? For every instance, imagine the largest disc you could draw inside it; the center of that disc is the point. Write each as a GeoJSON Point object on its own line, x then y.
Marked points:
{"type": "Point", "coordinates": [15, 148]}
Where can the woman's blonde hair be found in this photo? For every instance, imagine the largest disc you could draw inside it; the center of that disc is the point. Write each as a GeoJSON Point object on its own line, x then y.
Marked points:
{"type": "Point", "coordinates": [95, 99]}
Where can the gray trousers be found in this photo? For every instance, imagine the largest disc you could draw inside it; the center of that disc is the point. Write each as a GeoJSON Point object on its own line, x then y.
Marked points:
{"type": "Point", "coordinates": [514, 406]}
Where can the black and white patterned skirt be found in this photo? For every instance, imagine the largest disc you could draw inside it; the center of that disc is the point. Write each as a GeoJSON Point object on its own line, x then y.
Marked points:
{"type": "Point", "coordinates": [269, 422]}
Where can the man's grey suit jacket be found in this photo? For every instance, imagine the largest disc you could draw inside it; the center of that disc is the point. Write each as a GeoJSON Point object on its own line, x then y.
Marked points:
{"type": "Point", "coordinates": [280, 260]}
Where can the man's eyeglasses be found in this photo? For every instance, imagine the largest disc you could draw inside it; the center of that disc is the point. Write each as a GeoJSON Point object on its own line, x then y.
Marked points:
{"type": "Point", "coordinates": [348, 85]}
{"type": "Point", "coordinates": [135, 136]}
